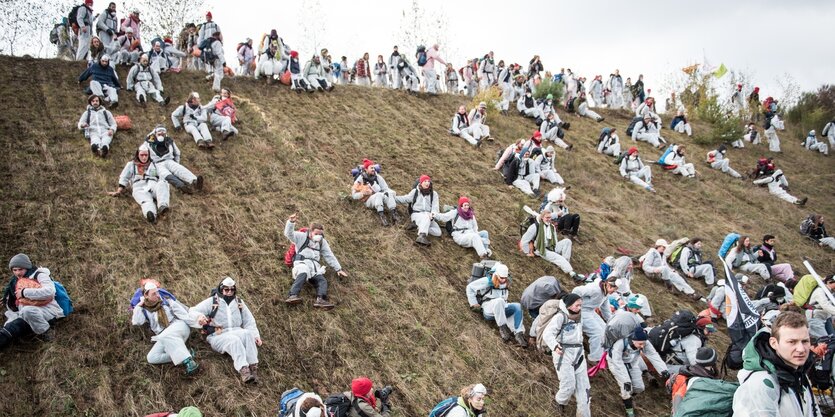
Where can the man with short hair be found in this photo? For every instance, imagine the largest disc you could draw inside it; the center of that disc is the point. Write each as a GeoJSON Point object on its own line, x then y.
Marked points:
{"type": "Point", "coordinates": [30, 302]}
{"type": "Point", "coordinates": [146, 82]}
{"type": "Point", "coordinates": [105, 83]}
{"type": "Point", "coordinates": [627, 365]}
{"type": "Point", "coordinates": [107, 25]}
{"type": "Point", "coordinates": [127, 48]}
{"type": "Point", "coordinates": [773, 379]}
{"type": "Point", "coordinates": [98, 125]}
{"type": "Point", "coordinates": [768, 255]}
{"type": "Point", "coordinates": [311, 246]}
{"type": "Point", "coordinates": [84, 20]}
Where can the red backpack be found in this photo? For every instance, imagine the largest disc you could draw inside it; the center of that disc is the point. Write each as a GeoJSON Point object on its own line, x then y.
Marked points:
{"type": "Point", "coordinates": [291, 252]}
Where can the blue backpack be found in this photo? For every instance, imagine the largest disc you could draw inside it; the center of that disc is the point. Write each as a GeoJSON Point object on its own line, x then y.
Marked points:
{"type": "Point", "coordinates": [62, 297]}
{"type": "Point", "coordinates": [288, 401]}
{"type": "Point", "coordinates": [421, 55]}
{"type": "Point", "coordinates": [669, 150]}
{"type": "Point", "coordinates": [444, 407]}
{"type": "Point", "coordinates": [729, 241]}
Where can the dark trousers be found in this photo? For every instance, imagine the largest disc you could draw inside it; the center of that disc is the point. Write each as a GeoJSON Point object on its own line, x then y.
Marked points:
{"type": "Point", "coordinates": [569, 224]}
{"type": "Point", "coordinates": [318, 281]}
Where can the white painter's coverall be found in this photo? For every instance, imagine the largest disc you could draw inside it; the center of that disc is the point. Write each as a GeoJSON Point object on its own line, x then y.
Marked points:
{"type": "Point", "coordinates": [169, 342]}
{"type": "Point", "coordinates": [572, 372]}
{"type": "Point", "coordinates": [238, 330]}
{"type": "Point", "coordinates": [593, 325]}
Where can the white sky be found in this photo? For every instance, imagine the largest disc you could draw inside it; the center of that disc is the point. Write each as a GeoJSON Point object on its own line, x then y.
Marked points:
{"type": "Point", "coordinates": [765, 38]}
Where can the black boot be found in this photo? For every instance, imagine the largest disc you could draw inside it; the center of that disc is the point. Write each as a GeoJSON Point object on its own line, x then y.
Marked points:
{"type": "Point", "coordinates": [104, 151]}
{"type": "Point", "coordinates": [95, 149]}
{"type": "Point", "coordinates": [382, 216]}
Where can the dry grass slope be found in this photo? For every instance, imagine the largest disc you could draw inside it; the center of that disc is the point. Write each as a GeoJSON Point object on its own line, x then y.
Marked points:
{"type": "Point", "coordinates": [402, 317]}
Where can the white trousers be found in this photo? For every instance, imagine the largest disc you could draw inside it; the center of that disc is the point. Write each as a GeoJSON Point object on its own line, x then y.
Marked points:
{"type": "Point", "coordinates": [773, 140]}
{"type": "Point", "coordinates": [104, 91]}
{"type": "Point", "coordinates": [686, 170]}
{"type": "Point", "coordinates": [561, 256]}
{"type": "Point", "coordinates": [725, 166]}
{"type": "Point", "coordinates": [527, 184]}
{"type": "Point", "coordinates": [170, 167]}
{"type": "Point", "coordinates": [36, 317]}
{"type": "Point", "coordinates": [573, 381]}
{"type": "Point", "coordinates": [199, 132]}
{"type": "Point", "coordinates": [594, 328]}
{"type": "Point", "coordinates": [151, 195]}
{"type": "Point", "coordinates": [642, 178]}
{"type": "Point", "coordinates": [238, 343]}
{"type": "Point", "coordinates": [100, 140]}
{"type": "Point", "coordinates": [425, 224]}
{"type": "Point", "coordinates": [381, 200]}
{"type": "Point", "coordinates": [682, 127]}
{"type": "Point", "coordinates": [552, 176]}
{"type": "Point", "coordinates": [170, 344]}
{"type": "Point", "coordinates": [479, 241]}
{"type": "Point", "coordinates": [146, 88]}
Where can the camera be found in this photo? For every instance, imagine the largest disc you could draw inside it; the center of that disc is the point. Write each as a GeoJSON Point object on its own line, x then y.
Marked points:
{"type": "Point", "coordinates": [384, 393]}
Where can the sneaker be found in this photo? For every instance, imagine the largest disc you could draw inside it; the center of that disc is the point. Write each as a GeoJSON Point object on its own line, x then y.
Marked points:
{"type": "Point", "coordinates": [395, 217]}
{"type": "Point", "coordinates": [293, 299]}
{"type": "Point", "coordinates": [166, 101]}
{"type": "Point", "coordinates": [522, 340]}
{"type": "Point", "coordinates": [630, 412]}
{"type": "Point", "coordinates": [191, 366]}
{"type": "Point", "coordinates": [253, 370]}
{"type": "Point", "coordinates": [246, 375]}
{"type": "Point", "coordinates": [570, 147]}
{"type": "Point", "coordinates": [505, 332]}
{"type": "Point", "coordinates": [577, 277]}
{"type": "Point", "coordinates": [152, 218]}
{"type": "Point", "coordinates": [323, 304]}
{"type": "Point", "coordinates": [48, 335]}
{"type": "Point", "coordinates": [422, 240]}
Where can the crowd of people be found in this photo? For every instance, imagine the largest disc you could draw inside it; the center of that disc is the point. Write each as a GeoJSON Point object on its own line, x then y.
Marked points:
{"type": "Point", "coordinates": [618, 326]}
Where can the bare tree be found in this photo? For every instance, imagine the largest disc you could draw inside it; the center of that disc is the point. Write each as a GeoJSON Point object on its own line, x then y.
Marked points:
{"type": "Point", "coordinates": [789, 90]}
{"type": "Point", "coordinates": [23, 25]}
{"type": "Point", "coordinates": [419, 26]}
{"type": "Point", "coordinates": [167, 17]}
{"type": "Point", "coordinates": [313, 35]}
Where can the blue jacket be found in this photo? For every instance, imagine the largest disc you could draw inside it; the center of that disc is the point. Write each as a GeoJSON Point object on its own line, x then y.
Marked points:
{"type": "Point", "coordinates": [105, 75]}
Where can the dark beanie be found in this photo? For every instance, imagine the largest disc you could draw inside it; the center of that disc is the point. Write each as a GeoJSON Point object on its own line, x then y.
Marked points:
{"type": "Point", "coordinates": [706, 356]}
{"type": "Point", "coordinates": [570, 299]}
{"type": "Point", "coordinates": [639, 334]}
{"type": "Point", "coordinates": [20, 261]}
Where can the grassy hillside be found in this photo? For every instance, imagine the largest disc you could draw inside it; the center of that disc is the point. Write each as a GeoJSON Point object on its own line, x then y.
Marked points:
{"type": "Point", "coordinates": [402, 317]}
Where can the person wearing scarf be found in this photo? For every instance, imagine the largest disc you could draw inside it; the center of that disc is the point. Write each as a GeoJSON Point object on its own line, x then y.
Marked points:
{"type": "Point", "coordinates": [540, 239]}
{"type": "Point", "coordinates": [195, 119]}
{"type": "Point", "coordinates": [462, 128]}
{"type": "Point", "coordinates": [170, 322]}
{"type": "Point", "coordinates": [223, 114]}
{"type": "Point", "coordinates": [149, 188]}
{"type": "Point", "coordinates": [465, 228]}
{"type": "Point", "coordinates": [364, 399]}
{"type": "Point", "coordinates": [233, 328]}
{"type": "Point", "coordinates": [423, 202]}
{"type": "Point", "coordinates": [470, 403]}
{"type": "Point", "coordinates": [717, 160]}
{"type": "Point", "coordinates": [773, 379]}
{"type": "Point", "coordinates": [370, 187]}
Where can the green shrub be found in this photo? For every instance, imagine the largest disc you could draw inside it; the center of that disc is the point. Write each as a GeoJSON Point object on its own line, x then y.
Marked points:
{"type": "Point", "coordinates": [548, 87]}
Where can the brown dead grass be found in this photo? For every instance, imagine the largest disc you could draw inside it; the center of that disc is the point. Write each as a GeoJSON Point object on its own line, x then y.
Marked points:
{"type": "Point", "coordinates": [402, 317]}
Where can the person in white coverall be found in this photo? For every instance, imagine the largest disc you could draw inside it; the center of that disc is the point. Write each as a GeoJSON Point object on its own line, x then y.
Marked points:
{"type": "Point", "coordinates": [171, 324]}
{"type": "Point", "coordinates": [596, 90]}
{"type": "Point", "coordinates": [128, 48]}
{"type": "Point", "coordinates": [371, 188]}
{"type": "Point", "coordinates": [147, 182]}
{"type": "Point", "coordinates": [462, 127]}
{"type": "Point", "coordinates": [84, 20]}
{"type": "Point", "coordinates": [690, 262]}
{"type": "Point", "coordinates": [231, 328]}
{"type": "Point", "coordinates": [813, 144]}
{"type": "Point", "coordinates": [272, 58]}
{"type": "Point", "coordinates": [751, 135]}
{"type": "Point", "coordinates": [546, 168]}
{"type": "Point", "coordinates": [32, 300]}
{"type": "Point", "coordinates": [682, 167]}
{"type": "Point", "coordinates": [777, 185]}
{"type": "Point", "coordinates": [653, 263]}
{"type": "Point", "coordinates": [552, 128]}
{"type": "Point", "coordinates": [311, 247]}
{"type": "Point", "coordinates": [627, 365]}
{"type": "Point", "coordinates": [511, 92]}
{"type": "Point", "coordinates": [487, 71]}
{"type": "Point", "coordinates": [584, 110]}
{"type": "Point", "coordinates": [743, 258]}
{"type": "Point", "coordinates": [465, 231]}
{"type": "Point", "coordinates": [647, 131]}
{"type": "Point", "coordinates": [478, 120]}
{"type": "Point", "coordinates": [540, 239]}
{"type": "Point", "coordinates": [194, 117]}
{"type": "Point", "coordinates": [166, 154]}
{"type": "Point", "coordinates": [216, 64]}
{"type": "Point", "coordinates": [489, 294]}
{"type": "Point", "coordinates": [615, 85]}
{"type": "Point", "coordinates": [527, 179]}
{"type": "Point", "coordinates": [633, 169]}
{"type": "Point", "coordinates": [774, 124]}
{"type": "Point", "coordinates": [609, 142]}
{"type": "Point", "coordinates": [107, 26]}
{"type": "Point", "coordinates": [564, 337]}
{"type": "Point", "coordinates": [681, 125]}
{"type": "Point", "coordinates": [423, 201]}
{"type": "Point", "coordinates": [220, 122]}
{"type": "Point", "coordinates": [98, 125]}
{"type": "Point", "coordinates": [829, 132]}
{"type": "Point", "coordinates": [717, 160]}
{"type": "Point", "coordinates": [595, 296]}
{"type": "Point", "coordinates": [145, 81]}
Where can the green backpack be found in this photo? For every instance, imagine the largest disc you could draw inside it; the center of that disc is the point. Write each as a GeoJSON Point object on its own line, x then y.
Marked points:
{"type": "Point", "coordinates": [707, 397]}
{"type": "Point", "coordinates": [803, 290]}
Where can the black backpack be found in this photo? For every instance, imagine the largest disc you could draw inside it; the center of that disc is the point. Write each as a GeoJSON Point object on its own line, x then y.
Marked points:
{"type": "Point", "coordinates": [417, 193]}
{"type": "Point", "coordinates": [73, 16]}
{"type": "Point", "coordinates": [631, 127]}
{"type": "Point", "coordinates": [339, 405]}
{"type": "Point", "coordinates": [523, 227]}
{"type": "Point", "coordinates": [680, 325]}
{"type": "Point", "coordinates": [54, 37]}
{"type": "Point", "coordinates": [820, 375]}
{"type": "Point", "coordinates": [449, 226]}
{"type": "Point", "coordinates": [510, 170]}
{"type": "Point", "coordinates": [206, 50]}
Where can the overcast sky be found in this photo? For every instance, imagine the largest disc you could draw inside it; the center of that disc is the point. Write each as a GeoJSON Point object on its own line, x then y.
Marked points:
{"type": "Point", "coordinates": [765, 38]}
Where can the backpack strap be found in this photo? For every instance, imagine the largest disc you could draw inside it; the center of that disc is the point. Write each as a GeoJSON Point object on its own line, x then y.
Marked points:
{"type": "Point", "coordinates": [356, 406]}
{"type": "Point", "coordinates": [215, 306]}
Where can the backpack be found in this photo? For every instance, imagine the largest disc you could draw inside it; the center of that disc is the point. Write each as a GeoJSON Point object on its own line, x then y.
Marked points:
{"type": "Point", "coordinates": [620, 157]}
{"type": "Point", "coordinates": [680, 325]}
{"type": "Point", "coordinates": [357, 171]}
{"type": "Point", "coordinates": [707, 397]}
{"type": "Point", "coordinates": [803, 290]}
{"type": "Point", "coordinates": [444, 407]}
{"type": "Point", "coordinates": [106, 117]}
{"type": "Point", "coordinates": [619, 327]}
{"type": "Point", "coordinates": [421, 55]}
{"type": "Point", "coordinates": [631, 127]}
{"type": "Point", "coordinates": [510, 170]}
{"type": "Point", "coordinates": [670, 149]}
{"type": "Point", "coordinates": [73, 16]}
{"type": "Point", "coordinates": [548, 313]}
{"type": "Point", "coordinates": [481, 270]}
{"type": "Point", "coordinates": [62, 297]}
{"type": "Point", "coordinates": [339, 405]}
{"type": "Point", "coordinates": [449, 226]}
{"type": "Point", "coordinates": [523, 227]}
{"type": "Point", "coordinates": [163, 294]}
{"type": "Point", "coordinates": [290, 254]}
{"type": "Point", "coordinates": [675, 256]}
{"type": "Point", "coordinates": [417, 193]}
{"type": "Point", "coordinates": [806, 225]}
{"type": "Point", "coordinates": [821, 373]}
{"type": "Point", "coordinates": [54, 36]}
{"type": "Point", "coordinates": [727, 243]}
{"type": "Point", "coordinates": [206, 50]}
{"type": "Point", "coordinates": [288, 401]}
{"type": "Point", "coordinates": [767, 122]}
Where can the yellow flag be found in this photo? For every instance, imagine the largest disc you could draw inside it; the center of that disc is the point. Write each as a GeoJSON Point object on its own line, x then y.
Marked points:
{"type": "Point", "coordinates": [721, 71]}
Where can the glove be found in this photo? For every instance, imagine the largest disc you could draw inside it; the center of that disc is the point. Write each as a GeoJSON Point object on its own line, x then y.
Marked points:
{"type": "Point", "coordinates": [627, 386]}
{"type": "Point", "coordinates": [665, 375]}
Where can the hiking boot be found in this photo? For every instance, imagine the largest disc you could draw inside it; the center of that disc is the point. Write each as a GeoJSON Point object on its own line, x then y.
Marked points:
{"type": "Point", "coordinates": [210, 144]}
{"type": "Point", "coordinates": [48, 335]}
{"type": "Point", "coordinates": [201, 143]}
{"type": "Point", "coordinates": [228, 135]}
{"type": "Point", "coordinates": [521, 340]}
{"type": "Point", "coordinates": [569, 147]}
{"type": "Point", "coordinates": [382, 216]}
{"type": "Point", "coordinates": [668, 285]}
{"type": "Point", "coordinates": [411, 226]}
{"type": "Point", "coordinates": [253, 370]}
{"type": "Point", "coordinates": [162, 210]}
{"type": "Point", "coordinates": [104, 151]}
{"type": "Point", "coordinates": [802, 201]}
{"type": "Point", "coordinates": [505, 332]}
{"type": "Point", "coordinates": [422, 240]}
{"type": "Point", "coordinates": [330, 88]}
{"type": "Point", "coordinates": [166, 101]}
{"type": "Point", "coordinates": [323, 304]}
{"type": "Point", "coordinates": [293, 299]}
{"type": "Point", "coordinates": [114, 104]}
{"type": "Point", "coordinates": [246, 375]}
{"type": "Point", "coordinates": [601, 119]}
{"type": "Point", "coordinates": [395, 217]}
{"type": "Point", "coordinates": [191, 366]}
{"type": "Point", "coordinates": [198, 183]}
{"type": "Point", "coordinates": [566, 125]}
{"type": "Point", "coordinates": [186, 189]}
{"type": "Point", "coordinates": [152, 218]}
{"type": "Point", "coordinates": [142, 101]}
{"type": "Point", "coordinates": [478, 144]}
{"type": "Point", "coordinates": [577, 277]}
{"type": "Point", "coordinates": [95, 149]}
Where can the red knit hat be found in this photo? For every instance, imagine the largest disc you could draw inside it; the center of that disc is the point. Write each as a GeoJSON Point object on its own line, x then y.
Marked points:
{"type": "Point", "coordinates": [361, 386]}
{"type": "Point", "coordinates": [367, 163]}
{"type": "Point", "coordinates": [537, 134]}
{"type": "Point", "coordinates": [632, 150]}
{"type": "Point", "coordinates": [423, 178]}
{"type": "Point", "coordinates": [209, 15]}
{"type": "Point", "coordinates": [463, 200]}
{"type": "Point", "coordinates": [294, 54]}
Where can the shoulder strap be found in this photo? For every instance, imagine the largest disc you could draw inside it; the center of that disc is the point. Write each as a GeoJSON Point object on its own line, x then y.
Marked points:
{"type": "Point", "coordinates": [356, 407]}
{"type": "Point", "coordinates": [215, 305]}
{"type": "Point", "coordinates": [88, 116]}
